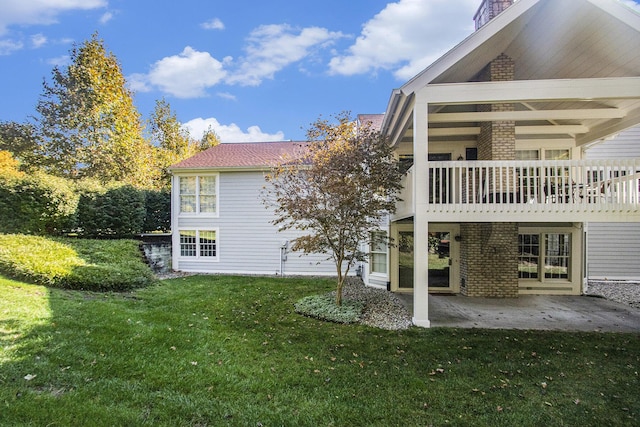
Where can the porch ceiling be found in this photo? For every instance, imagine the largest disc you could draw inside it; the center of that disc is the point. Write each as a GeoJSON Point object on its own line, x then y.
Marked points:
{"type": "Point", "coordinates": [583, 110]}
{"type": "Point", "coordinates": [549, 40]}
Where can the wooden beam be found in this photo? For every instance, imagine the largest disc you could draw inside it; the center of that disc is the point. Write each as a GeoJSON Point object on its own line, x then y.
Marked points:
{"type": "Point", "coordinates": [575, 114]}
{"type": "Point", "coordinates": [520, 130]}
{"type": "Point", "coordinates": [551, 130]}
{"type": "Point", "coordinates": [532, 91]}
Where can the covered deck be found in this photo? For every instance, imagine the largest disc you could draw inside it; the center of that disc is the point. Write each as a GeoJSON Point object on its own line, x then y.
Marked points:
{"type": "Point", "coordinates": [535, 191]}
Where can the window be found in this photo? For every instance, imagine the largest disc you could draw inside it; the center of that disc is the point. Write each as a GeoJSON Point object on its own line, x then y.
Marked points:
{"type": "Point", "coordinates": [527, 155]}
{"type": "Point", "coordinates": [188, 243]}
{"type": "Point", "coordinates": [198, 243]}
{"type": "Point", "coordinates": [544, 256]}
{"type": "Point", "coordinates": [198, 194]}
{"type": "Point", "coordinates": [528, 256]}
{"type": "Point", "coordinates": [556, 256]}
{"type": "Point", "coordinates": [557, 155]}
{"type": "Point", "coordinates": [207, 194]}
{"type": "Point", "coordinates": [378, 255]}
{"type": "Point", "coordinates": [188, 194]}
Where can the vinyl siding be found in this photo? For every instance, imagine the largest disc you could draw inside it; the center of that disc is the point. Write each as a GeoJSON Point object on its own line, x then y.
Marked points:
{"type": "Point", "coordinates": [613, 248]}
{"type": "Point", "coordinates": [247, 243]}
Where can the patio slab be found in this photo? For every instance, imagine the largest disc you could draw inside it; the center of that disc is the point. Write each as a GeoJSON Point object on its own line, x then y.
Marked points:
{"type": "Point", "coordinates": [565, 313]}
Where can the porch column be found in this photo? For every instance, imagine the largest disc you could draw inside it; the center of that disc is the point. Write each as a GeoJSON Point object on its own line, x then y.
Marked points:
{"type": "Point", "coordinates": [420, 220]}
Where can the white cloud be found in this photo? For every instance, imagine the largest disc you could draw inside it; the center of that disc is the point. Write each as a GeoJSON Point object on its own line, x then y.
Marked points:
{"type": "Point", "coordinates": [106, 17]}
{"type": "Point", "coordinates": [213, 24]}
{"type": "Point", "coordinates": [186, 75]}
{"type": "Point", "coordinates": [60, 61]}
{"type": "Point", "coordinates": [226, 95]}
{"type": "Point", "coordinates": [38, 40]}
{"type": "Point", "coordinates": [406, 36]}
{"type": "Point", "coordinates": [7, 47]}
{"type": "Point", "coordinates": [41, 12]}
{"type": "Point", "coordinates": [273, 47]}
{"type": "Point", "coordinates": [138, 82]}
{"type": "Point", "coordinates": [270, 49]}
{"type": "Point", "coordinates": [230, 133]}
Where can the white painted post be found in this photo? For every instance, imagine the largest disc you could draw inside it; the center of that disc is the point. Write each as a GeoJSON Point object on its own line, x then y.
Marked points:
{"type": "Point", "coordinates": [420, 220]}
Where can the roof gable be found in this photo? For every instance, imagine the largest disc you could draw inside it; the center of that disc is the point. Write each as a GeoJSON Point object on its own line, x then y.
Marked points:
{"type": "Point", "coordinates": [548, 39]}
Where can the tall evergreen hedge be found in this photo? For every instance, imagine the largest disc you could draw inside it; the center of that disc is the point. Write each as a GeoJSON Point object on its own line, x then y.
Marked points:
{"type": "Point", "coordinates": [37, 204]}
{"type": "Point", "coordinates": [45, 205]}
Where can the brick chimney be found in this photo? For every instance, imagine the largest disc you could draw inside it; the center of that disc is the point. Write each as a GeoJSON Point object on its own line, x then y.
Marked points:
{"type": "Point", "coordinates": [489, 9]}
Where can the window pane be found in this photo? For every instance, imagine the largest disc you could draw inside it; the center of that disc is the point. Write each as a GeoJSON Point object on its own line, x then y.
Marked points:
{"type": "Point", "coordinates": [188, 243]}
{"type": "Point", "coordinates": [556, 154]}
{"type": "Point", "coordinates": [557, 256]}
{"type": "Point", "coordinates": [207, 204]}
{"type": "Point", "coordinates": [378, 248]}
{"type": "Point", "coordinates": [208, 194]}
{"type": "Point", "coordinates": [188, 185]}
{"type": "Point", "coordinates": [528, 256]}
{"type": "Point", "coordinates": [188, 204]}
{"type": "Point", "coordinates": [207, 185]}
{"type": "Point", "coordinates": [188, 194]}
{"type": "Point", "coordinates": [379, 263]}
{"type": "Point", "coordinates": [207, 243]}
{"type": "Point", "coordinates": [527, 155]}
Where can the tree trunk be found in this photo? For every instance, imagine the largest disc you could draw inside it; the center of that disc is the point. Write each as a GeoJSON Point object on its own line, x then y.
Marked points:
{"type": "Point", "coordinates": [340, 283]}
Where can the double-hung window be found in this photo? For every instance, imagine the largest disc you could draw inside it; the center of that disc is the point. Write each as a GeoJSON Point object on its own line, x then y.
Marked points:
{"type": "Point", "coordinates": [378, 254]}
{"type": "Point", "coordinates": [201, 244]}
{"type": "Point", "coordinates": [198, 194]}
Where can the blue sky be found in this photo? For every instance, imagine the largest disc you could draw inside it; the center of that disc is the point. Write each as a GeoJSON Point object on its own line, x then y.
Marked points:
{"type": "Point", "coordinates": [253, 70]}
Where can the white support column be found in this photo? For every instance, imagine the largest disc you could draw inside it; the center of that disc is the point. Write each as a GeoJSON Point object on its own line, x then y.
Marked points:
{"type": "Point", "coordinates": [420, 220]}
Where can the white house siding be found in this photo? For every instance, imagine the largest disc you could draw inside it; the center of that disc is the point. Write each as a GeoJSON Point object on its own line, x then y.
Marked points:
{"type": "Point", "coordinates": [613, 248]}
{"type": "Point", "coordinates": [247, 243]}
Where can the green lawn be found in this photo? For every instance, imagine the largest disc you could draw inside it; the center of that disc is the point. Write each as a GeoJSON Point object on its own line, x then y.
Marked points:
{"type": "Point", "coordinates": [218, 351]}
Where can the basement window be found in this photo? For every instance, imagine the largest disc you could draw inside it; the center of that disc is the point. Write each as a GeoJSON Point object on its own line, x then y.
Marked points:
{"type": "Point", "coordinates": [198, 244]}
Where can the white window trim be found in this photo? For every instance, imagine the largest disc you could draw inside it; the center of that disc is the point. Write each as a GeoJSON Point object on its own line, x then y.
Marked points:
{"type": "Point", "coordinates": [197, 212]}
{"type": "Point", "coordinates": [198, 257]}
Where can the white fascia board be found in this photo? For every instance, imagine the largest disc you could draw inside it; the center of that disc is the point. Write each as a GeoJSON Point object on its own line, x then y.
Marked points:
{"type": "Point", "coordinates": [186, 171]}
{"type": "Point", "coordinates": [619, 11]}
{"type": "Point", "coordinates": [468, 45]}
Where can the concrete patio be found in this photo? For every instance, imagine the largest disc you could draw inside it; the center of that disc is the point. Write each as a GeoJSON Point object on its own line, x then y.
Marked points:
{"type": "Point", "coordinates": [566, 313]}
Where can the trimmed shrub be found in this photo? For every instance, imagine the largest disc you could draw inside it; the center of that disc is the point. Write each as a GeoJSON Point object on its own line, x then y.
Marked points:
{"type": "Point", "coordinates": [79, 264]}
{"type": "Point", "coordinates": [37, 204]}
{"type": "Point", "coordinates": [115, 213]}
{"type": "Point", "coordinates": [157, 211]}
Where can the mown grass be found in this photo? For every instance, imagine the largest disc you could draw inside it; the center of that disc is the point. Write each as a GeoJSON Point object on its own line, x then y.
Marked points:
{"type": "Point", "coordinates": [218, 351]}
{"type": "Point", "coordinates": [81, 264]}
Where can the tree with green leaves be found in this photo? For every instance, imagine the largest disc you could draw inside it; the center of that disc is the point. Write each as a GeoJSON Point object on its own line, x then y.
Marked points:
{"type": "Point", "coordinates": [336, 191]}
{"type": "Point", "coordinates": [19, 139]}
{"type": "Point", "coordinates": [209, 139]}
{"type": "Point", "coordinates": [171, 140]}
{"type": "Point", "coordinates": [88, 125]}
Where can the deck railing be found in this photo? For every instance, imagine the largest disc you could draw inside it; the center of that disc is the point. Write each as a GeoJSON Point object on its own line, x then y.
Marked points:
{"type": "Point", "coordinates": [534, 186]}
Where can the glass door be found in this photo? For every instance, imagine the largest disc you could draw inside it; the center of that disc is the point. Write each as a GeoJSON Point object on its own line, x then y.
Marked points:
{"type": "Point", "coordinates": [443, 259]}
{"type": "Point", "coordinates": [439, 260]}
